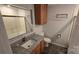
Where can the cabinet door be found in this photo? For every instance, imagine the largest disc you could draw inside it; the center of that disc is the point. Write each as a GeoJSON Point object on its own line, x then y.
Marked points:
{"type": "Point", "coordinates": [39, 48]}
{"type": "Point", "coordinates": [40, 14]}
{"type": "Point", "coordinates": [43, 14]}
{"type": "Point", "coordinates": [36, 50]}
{"type": "Point", "coordinates": [42, 46]}
{"type": "Point", "coordinates": [37, 9]}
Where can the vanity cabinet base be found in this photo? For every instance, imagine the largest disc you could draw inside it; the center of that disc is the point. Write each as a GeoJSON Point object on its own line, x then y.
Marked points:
{"type": "Point", "coordinates": [39, 48]}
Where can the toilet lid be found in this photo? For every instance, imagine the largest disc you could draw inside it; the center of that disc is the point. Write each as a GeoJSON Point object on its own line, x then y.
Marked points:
{"type": "Point", "coordinates": [48, 40]}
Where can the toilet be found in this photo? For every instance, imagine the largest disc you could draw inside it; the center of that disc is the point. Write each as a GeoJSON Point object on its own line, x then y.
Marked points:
{"type": "Point", "coordinates": [47, 41]}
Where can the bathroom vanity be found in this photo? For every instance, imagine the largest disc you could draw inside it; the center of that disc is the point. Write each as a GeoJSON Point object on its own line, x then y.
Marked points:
{"type": "Point", "coordinates": [33, 44]}
{"type": "Point", "coordinates": [39, 48]}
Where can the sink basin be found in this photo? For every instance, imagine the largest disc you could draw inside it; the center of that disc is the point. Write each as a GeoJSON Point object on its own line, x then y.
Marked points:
{"type": "Point", "coordinates": [31, 42]}
{"type": "Point", "coordinates": [28, 44]}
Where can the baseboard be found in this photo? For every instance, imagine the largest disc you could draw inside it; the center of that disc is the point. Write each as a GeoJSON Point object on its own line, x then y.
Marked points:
{"type": "Point", "coordinates": [59, 44]}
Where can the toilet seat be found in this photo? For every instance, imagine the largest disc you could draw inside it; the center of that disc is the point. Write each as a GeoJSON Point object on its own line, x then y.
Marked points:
{"type": "Point", "coordinates": [47, 40]}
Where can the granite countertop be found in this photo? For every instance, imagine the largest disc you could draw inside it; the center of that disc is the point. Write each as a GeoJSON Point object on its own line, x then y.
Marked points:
{"type": "Point", "coordinates": [18, 49]}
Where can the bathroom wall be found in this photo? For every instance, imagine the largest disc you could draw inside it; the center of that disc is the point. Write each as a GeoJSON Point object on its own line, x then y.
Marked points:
{"type": "Point", "coordinates": [74, 38]}
{"type": "Point", "coordinates": [59, 25]}
{"type": "Point", "coordinates": [4, 48]}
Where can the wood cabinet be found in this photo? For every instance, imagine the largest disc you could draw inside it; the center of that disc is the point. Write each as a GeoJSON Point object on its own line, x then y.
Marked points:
{"type": "Point", "coordinates": [39, 48]}
{"type": "Point", "coordinates": [40, 13]}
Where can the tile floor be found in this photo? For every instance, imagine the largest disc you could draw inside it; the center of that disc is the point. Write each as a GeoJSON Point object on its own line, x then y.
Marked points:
{"type": "Point", "coordinates": [54, 49]}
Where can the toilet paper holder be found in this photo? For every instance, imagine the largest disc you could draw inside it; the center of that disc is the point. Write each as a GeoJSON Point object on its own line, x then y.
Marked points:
{"type": "Point", "coordinates": [58, 35]}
